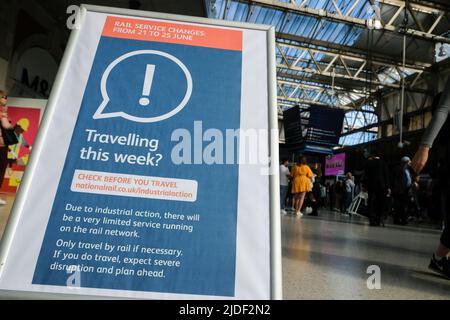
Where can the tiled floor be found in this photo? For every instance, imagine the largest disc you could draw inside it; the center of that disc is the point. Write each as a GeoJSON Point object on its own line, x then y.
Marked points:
{"type": "Point", "coordinates": [326, 257]}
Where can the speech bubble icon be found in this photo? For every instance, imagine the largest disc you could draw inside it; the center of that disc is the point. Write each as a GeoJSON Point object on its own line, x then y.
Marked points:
{"type": "Point", "coordinates": [101, 113]}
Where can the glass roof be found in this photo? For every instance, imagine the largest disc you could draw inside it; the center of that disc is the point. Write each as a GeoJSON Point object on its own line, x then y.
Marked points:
{"type": "Point", "coordinates": [296, 65]}
{"type": "Point", "coordinates": [295, 24]}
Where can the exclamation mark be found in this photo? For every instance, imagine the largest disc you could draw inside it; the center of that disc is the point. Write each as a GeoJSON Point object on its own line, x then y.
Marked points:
{"type": "Point", "coordinates": [149, 71]}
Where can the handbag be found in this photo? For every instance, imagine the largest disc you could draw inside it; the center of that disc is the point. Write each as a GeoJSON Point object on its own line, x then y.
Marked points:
{"type": "Point", "coordinates": [9, 136]}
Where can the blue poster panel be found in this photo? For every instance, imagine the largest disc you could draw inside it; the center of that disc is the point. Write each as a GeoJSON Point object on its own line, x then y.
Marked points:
{"type": "Point", "coordinates": [145, 202]}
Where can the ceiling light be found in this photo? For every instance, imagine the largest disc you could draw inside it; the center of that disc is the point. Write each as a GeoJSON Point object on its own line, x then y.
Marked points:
{"type": "Point", "coordinates": [442, 51]}
{"type": "Point", "coordinates": [375, 21]}
{"type": "Point", "coordinates": [374, 24]}
{"type": "Point", "coordinates": [378, 24]}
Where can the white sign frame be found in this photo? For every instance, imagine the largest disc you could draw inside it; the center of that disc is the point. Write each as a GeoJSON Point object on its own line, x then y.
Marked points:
{"type": "Point", "coordinates": [45, 134]}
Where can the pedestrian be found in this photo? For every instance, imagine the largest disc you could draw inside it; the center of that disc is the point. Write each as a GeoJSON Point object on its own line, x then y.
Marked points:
{"type": "Point", "coordinates": [376, 182]}
{"type": "Point", "coordinates": [401, 185]}
{"type": "Point", "coordinates": [301, 175]}
{"type": "Point", "coordinates": [284, 184]}
{"type": "Point", "coordinates": [6, 124]}
{"type": "Point", "coordinates": [440, 261]}
{"type": "Point", "coordinates": [349, 187]}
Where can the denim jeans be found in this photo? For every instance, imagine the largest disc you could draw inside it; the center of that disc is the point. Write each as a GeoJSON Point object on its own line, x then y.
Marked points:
{"type": "Point", "coordinates": [283, 192]}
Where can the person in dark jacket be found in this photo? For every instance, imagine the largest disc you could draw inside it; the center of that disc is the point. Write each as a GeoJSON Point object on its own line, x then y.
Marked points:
{"type": "Point", "coordinates": [376, 182]}
{"type": "Point", "coordinates": [440, 260]}
{"type": "Point", "coordinates": [401, 184]}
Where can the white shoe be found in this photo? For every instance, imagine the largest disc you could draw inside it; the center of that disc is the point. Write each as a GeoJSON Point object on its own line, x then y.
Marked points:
{"type": "Point", "coordinates": [299, 213]}
{"type": "Point", "coordinates": [2, 202]}
{"type": "Point", "coordinates": [283, 212]}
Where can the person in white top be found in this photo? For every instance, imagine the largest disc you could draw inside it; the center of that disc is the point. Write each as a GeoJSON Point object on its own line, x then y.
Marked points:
{"type": "Point", "coordinates": [349, 186]}
{"type": "Point", "coordinates": [284, 183]}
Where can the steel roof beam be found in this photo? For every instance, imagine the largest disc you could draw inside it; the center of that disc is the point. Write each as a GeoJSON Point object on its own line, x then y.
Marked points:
{"type": "Point", "coordinates": [363, 23]}
{"type": "Point", "coordinates": [422, 6]}
{"type": "Point", "coordinates": [361, 129]}
{"type": "Point", "coordinates": [412, 79]}
{"type": "Point", "coordinates": [326, 66]}
{"type": "Point", "coordinates": [308, 86]}
{"type": "Point", "coordinates": [330, 75]}
{"type": "Point", "coordinates": [290, 102]}
{"type": "Point", "coordinates": [354, 57]}
{"type": "Point", "coordinates": [303, 42]}
{"type": "Point", "coordinates": [342, 82]}
{"type": "Point", "coordinates": [349, 84]}
{"type": "Point", "coordinates": [303, 91]}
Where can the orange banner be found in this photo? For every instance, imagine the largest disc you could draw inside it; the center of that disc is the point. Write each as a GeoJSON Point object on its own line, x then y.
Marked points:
{"type": "Point", "coordinates": [152, 30]}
